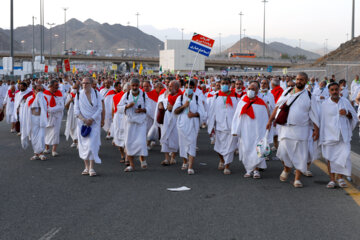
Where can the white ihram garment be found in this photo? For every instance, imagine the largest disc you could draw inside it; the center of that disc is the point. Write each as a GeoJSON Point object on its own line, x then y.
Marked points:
{"type": "Point", "coordinates": [89, 146]}
{"type": "Point", "coordinates": [188, 128]}
{"type": "Point", "coordinates": [71, 124]}
{"type": "Point", "coordinates": [294, 135]}
{"type": "Point", "coordinates": [336, 133]}
{"type": "Point", "coordinates": [135, 130]}
{"type": "Point", "coordinates": [250, 132]}
{"type": "Point", "coordinates": [34, 127]}
{"type": "Point", "coordinates": [220, 118]}
{"type": "Point", "coordinates": [52, 132]}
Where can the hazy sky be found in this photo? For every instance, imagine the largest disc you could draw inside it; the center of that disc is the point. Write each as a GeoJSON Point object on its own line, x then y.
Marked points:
{"type": "Point", "coordinates": [309, 20]}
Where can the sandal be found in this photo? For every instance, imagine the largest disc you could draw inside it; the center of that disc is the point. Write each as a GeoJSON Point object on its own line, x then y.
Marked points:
{"type": "Point", "coordinates": [143, 164]}
{"type": "Point", "coordinates": [308, 173]}
{"type": "Point", "coordinates": [92, 173]}
{"type": "Point", "coordinates": [35, 157]}
{"type": "Point", "coordinates": [331, 185]}
{"type": "Point", "coordinates": [298, 184]}
{"type": "Point", "coordinates": [85, 172]}
{"type": "Point", "coordinates": [284, 176]}
{"type": "Point", "coordinates": [172, 161]}
{"type": "Point", "coordinates": [42, 157]}
{"type": "Point", "coordinates": [227, 171]}
{"type": "Point", "coordinates": [129, 169]}
{"type": "Point", "coordinates": [247, 175]}
{"type": "Point", "coordinates": [122, 160]}
{"type": "Point", "coordinates": [221, 166]}
{"type": "Point", "coordinates": [256, 174]}
{"type": "Point", "coordinates": [165, 163]}
{"type": "Point", "coordinates": [184, 166]}
{"type": "Point", "coordinates": [191, 171]}
{"type": "Point", "coordinates": [341, 182]}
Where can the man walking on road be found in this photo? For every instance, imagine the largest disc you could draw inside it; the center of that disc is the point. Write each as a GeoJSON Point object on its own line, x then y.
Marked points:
{"type": "Point", "coordinates": [294, 135]}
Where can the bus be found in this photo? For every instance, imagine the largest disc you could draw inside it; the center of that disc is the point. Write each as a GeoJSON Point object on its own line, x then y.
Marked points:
{"type": "Point", "coordinates": [242, 55]}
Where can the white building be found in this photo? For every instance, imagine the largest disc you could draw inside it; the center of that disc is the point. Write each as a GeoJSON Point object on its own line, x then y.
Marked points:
{"type": "Point", "coordinates": [177, 57]}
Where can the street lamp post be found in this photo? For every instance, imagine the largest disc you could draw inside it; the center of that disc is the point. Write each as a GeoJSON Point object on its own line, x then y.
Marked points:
{"type": "Point", "coordinates": [264, 1]}
{"type": "Point", "coordinates": [12, 36]}
{"type": "Point", "coordinates": [65, 9]}
{"type": "Point", "coordinates": [353, 21]}
{"type": "Point", "coordinates": [33, 44]}
{"type": "Point", "coordinates": [137, 20]}
{"type": "Point", "coordinates": [51, 25]}
{"type": "Point", "coordinates": [42, 25]}
{"type": "Point", "coordinates": [241, 14]}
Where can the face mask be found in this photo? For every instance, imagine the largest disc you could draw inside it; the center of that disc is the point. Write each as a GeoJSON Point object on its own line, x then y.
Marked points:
{"type": "Point", "coordinates": [224, 88]}
{"type": "Point", "coordinates": [250, 93]}
{"type": "Point", "coordinates": [189, 91]}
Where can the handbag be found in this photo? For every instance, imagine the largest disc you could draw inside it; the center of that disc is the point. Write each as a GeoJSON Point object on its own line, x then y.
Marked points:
{"type": "Point", "coordinates": [160, 116]}
{"type": "Point", "coordinates": [282, 116]}
{"type": "Point", "coordinates": [85, 130]}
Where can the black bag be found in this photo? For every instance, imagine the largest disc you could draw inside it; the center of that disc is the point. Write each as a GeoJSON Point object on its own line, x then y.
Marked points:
{"type": "Point", "coordinates": [282, 117]}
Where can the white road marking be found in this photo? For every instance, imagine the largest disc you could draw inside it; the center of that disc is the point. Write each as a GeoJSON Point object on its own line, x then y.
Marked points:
{"type": "Point", "coordinates": [49, 235]}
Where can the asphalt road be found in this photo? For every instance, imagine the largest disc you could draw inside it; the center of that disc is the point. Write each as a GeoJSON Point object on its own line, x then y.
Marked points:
{"type": "Point", "coordinates": [51, 200]}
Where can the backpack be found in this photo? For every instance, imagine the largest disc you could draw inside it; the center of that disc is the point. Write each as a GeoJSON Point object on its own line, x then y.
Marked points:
{"type": "Point", "coordinates": [128, 93]}
{"type": "Point", "coordinates": [196, 99]}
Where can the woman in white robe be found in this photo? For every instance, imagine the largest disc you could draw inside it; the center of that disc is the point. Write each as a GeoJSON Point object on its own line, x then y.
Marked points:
{"type": "Point", "coordinates": [88, 108]}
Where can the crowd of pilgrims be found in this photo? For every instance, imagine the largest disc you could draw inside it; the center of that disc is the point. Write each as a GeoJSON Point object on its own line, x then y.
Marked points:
{"type": "Point", "coordinates": [238, 112]}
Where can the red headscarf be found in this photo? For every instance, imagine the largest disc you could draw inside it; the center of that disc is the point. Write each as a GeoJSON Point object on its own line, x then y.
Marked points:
{"type": "Point", "coordinates": [248, 109]}
{"type": "Point", "coordinates": [172, 98]}
{"type": "Point", "coordinates": [52, 99]}
{"type": "Point", "coordinates": [153, 95]}
{"type": "Point", "coordinates": [228, 97]}
{"type": "Point", "coordinates": [277, 91]}
{"type": "Point", "coordinates": [11, 95]}
{"type": "Point", "coordinates": [117, 99]}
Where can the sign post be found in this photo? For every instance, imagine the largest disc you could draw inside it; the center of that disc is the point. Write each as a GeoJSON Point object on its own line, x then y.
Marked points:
{"type": "Point", "coordinates": [201, 45]}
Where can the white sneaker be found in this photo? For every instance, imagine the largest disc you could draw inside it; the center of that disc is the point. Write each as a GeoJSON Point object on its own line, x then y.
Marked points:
{"type": "Point", "coordinates": [73, 145]}
{"type": "Point", "coordinates": [55, 154]}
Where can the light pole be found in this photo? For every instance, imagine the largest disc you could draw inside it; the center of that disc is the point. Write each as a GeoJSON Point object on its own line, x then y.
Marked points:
{"type": "Point", "coordinates": [33, 43]}
{"type": "Point", "coordinates": [353, 21]}
{"type": "Point", "coordinates": [182, 34]}
{"type": "Point", "coordinates": [12, 36]}
{"type": "Point", "coordinates": [264, 1]}
{"type": "Point", "coordinates": [42, 25]}
{"type": "Point", "coordinates": [241, 14]}
{"type": "Point", "coordinates": [50, 25]}
{"type": "Point", "coordinates": [137, 20]}
{"type": "Point", "coordinates": [65, 9]}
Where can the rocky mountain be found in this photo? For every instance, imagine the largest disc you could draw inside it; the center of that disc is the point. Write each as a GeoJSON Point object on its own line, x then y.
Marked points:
{"type": "Point", "coordinates": [89, 35]}
{"type": "Point", "coordinates": [273, 50]}
{"type": "Point", "coordinates": [5, 43]}
{"type": "Point", "coordinates": [348, 51]}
